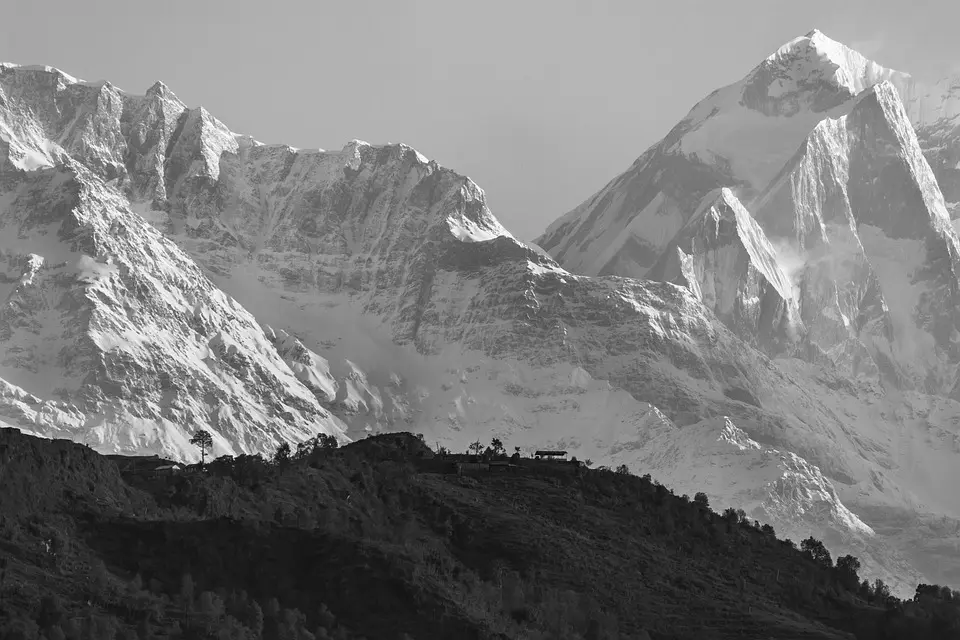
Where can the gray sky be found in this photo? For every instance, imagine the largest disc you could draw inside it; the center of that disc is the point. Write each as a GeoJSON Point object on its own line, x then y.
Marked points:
{"type": "Point", "coordinates": [541, 102]}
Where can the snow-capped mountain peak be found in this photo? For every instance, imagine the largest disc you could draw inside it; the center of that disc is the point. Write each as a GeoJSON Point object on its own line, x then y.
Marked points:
{"type": "Point", "coordinates": [739, 136]}
{"type": "Point", "coordinates": [814, 56]}
{"type": "Point", "coordinates": [160, 89]}
{"type": "Point", "coordinates": [850, 172]}
{"type": "Point", "coordinates": [268, 293]}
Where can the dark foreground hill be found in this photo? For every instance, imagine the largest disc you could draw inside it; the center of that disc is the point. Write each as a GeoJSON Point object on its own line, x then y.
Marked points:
{"type": "Point", "coordinates": [380, 540]}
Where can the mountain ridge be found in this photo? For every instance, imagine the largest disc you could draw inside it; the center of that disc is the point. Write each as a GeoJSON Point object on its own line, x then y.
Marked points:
{"type": "Point", "coordinates": [383, 280]}
{"type": "Point", "coordinates": [816, 52]}
{"type": "Point", "coordinates": [825, 81]}
{"type": "Point", "coordinates": [874, 304]}
{"type": "Point", "coordinates": [723, 256]}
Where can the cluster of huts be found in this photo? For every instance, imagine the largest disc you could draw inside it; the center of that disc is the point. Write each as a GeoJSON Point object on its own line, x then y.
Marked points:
{"type": "Point", "coordinates": [554, 460]}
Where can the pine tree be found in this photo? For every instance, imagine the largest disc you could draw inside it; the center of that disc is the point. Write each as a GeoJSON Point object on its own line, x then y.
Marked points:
{"type": "Point", "coordinates": [204, 441]}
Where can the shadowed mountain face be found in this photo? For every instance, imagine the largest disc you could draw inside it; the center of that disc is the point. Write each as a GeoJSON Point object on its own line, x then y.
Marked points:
{"type": "Point", "coordinates": [163, 274]}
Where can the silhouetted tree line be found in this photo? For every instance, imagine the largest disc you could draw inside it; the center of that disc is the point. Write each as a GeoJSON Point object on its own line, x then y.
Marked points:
{"type": "Point", "coordinates": [933, 612]}
{"type": "Point", "coordinates": [376, 515]}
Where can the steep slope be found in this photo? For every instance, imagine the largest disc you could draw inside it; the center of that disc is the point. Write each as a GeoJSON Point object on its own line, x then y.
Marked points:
{"type": "Point", "coordinates": [111, 335]}
{"type": "Point", "coordinates": [737, 137]}
{"type": "Point", "coordinates": [875, 285]}
{"type": "Point", "coordinates": [935, 114]}
{"type": "Point", "coordinates": [860, 207]}
{"type": "Point", "coordinates": [744, 137]}
{"type": "Point", "coordinates": [376, 285]}
{"type": "Point", "coordinates": [725, 259]}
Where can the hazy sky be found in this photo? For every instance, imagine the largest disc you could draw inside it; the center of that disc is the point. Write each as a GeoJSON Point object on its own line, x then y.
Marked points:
{"type": "Point", "coordinates": [540, 102]}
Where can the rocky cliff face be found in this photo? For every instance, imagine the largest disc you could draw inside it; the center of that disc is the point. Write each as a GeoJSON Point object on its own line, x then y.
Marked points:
{"type": "Point", "coordinates": [737, 137]}
{"type": "Point", "coordinates": [848, 170]}
{"type": "Point", "coordinates": [163, 274]}
{"type": "Point", "coordinates": [861, 205]}
{"type": "Point", "coordinates": [109, 332]}
{"type": "Point", "coordinates": [935, 114]}
{"type": "Point", "coordinates": [121, 338]}
{"type": "Point", "coordinates": [724, 258]}
{"type": "Point", "coordinates": [822, 118]}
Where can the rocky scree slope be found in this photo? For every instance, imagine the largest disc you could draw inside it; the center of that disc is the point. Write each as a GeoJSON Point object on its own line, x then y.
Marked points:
{"type": "Point", "coordinates": [296, 291]}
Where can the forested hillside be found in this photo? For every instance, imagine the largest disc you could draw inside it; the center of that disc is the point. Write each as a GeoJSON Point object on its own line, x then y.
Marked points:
{"type": "Point", "coordinates": [383, 539]}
